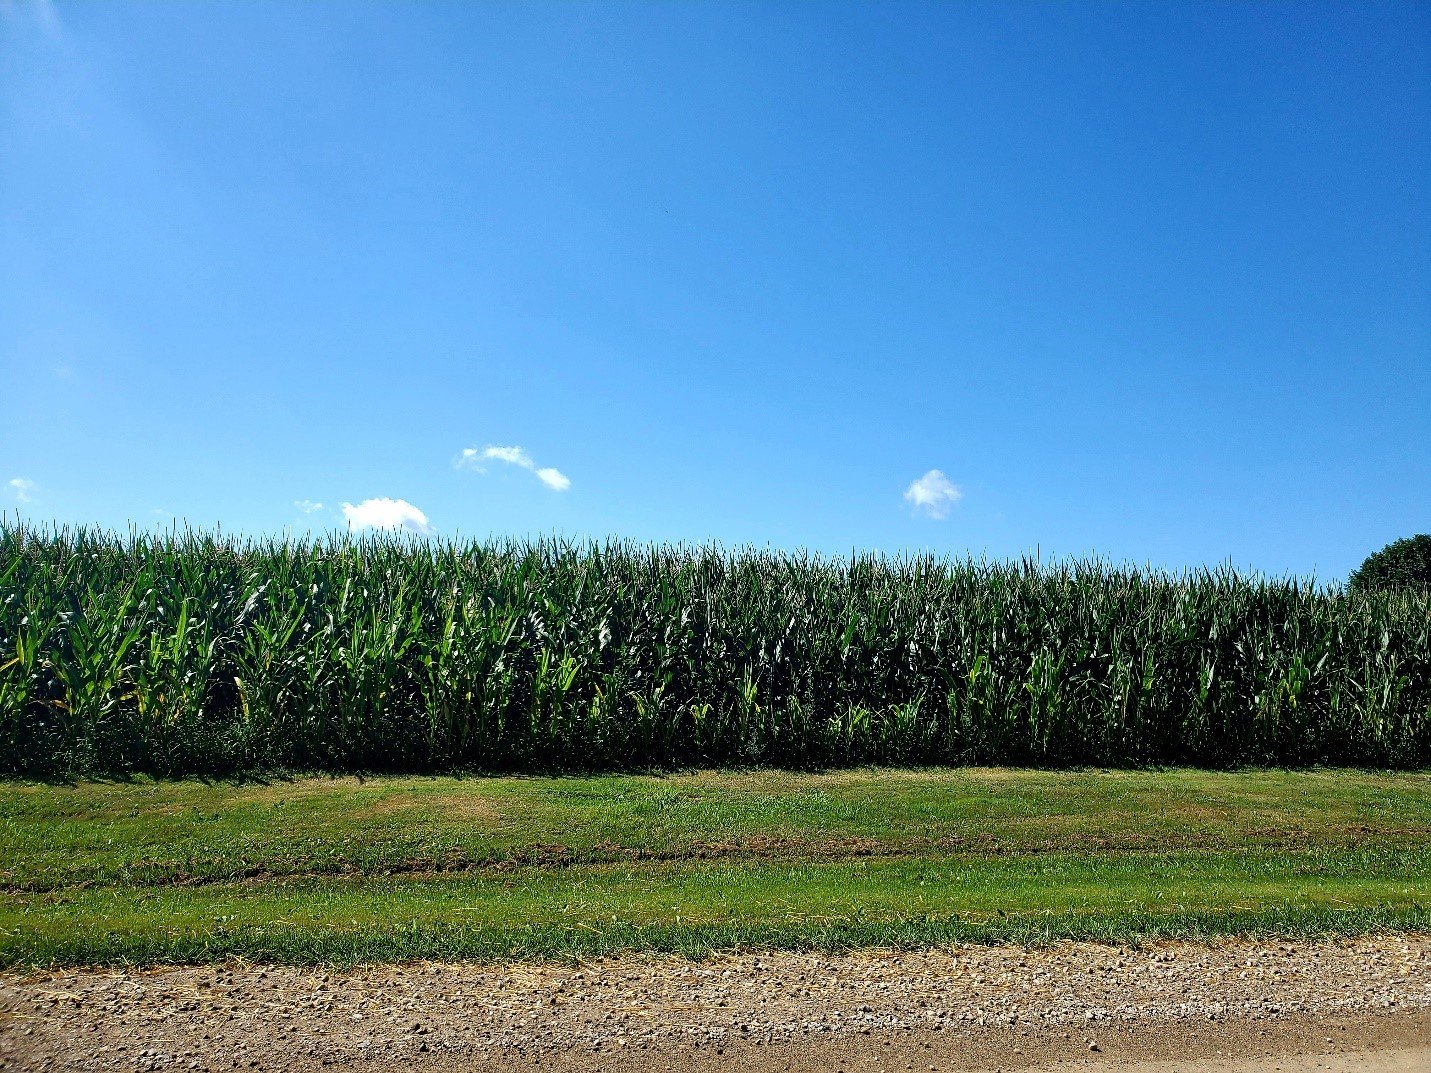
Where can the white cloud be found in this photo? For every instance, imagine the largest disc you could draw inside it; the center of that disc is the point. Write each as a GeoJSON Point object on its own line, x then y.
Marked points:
{"type": "Point", "coordinates": [470, 458]}
{"type": "Point", "coordinates": [383, 513]}
{"type": "Point", "coordinates": [933, 494]}
{"type": "Point", "coordinates": [554, 479]}
{"type": "Point", "coordinates": [308, 506]}
{"type": "Point", "coordinates": [473, 459]}
{"type": "Point", "coordinates": [515, 455]}
{"type": "Point", "coordinates": [21, 488]}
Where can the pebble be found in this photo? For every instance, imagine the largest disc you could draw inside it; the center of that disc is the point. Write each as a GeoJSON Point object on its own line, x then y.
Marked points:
{"type": "Point", "coordinates": [235, 1016]}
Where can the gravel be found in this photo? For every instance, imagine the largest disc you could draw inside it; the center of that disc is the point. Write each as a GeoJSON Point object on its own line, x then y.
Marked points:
{"type": "Point", "coordinates": [237, 1016]}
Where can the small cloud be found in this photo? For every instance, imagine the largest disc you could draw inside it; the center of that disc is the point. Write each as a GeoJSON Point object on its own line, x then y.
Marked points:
{"type": "Point", "coordinates": [474, 459]}
{"type": "Point", "coordinates": [515, 455]}
{"type": "Point", "coordinates": [64, 372]}
{"type": "Point", "coordinates": [554, 479]}
{"type": "Point", "coordinates": [383, 513]}
{"type": "Point", "coordinates": [470, 458]}
{"type": "Point", "coordinates": [933, 494]}
{"type": "Point", "coordinates": [21, 488]}
{"type": "Point", "coordinates": [308, 506]}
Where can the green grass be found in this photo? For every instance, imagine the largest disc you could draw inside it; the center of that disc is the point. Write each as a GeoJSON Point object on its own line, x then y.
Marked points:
{"type": "Point", "coordinates": [319, 870]}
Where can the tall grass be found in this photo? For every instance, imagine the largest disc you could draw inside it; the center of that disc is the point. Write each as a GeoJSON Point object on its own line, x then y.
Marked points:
{"type": "Point", "coordinates": [191, 653]}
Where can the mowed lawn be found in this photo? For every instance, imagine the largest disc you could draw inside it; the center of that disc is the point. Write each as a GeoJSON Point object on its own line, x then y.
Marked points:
{"type": "Point", "coordinates": [342, 870]}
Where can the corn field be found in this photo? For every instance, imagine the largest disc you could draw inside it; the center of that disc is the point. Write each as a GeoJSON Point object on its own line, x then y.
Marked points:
{"type": "Point", "coordinates": [190, 653]}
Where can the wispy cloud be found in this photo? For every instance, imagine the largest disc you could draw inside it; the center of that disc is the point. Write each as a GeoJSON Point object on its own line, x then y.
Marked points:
{"type": "Point", "coordinates": [554, 479]}
{"type": "Point", "coordinates": [476, 460]}
{"type": "Point", "coordinates": [513, 455]}
{"type": "Point", "coordinates": [397, 515]}
{"type": "Point", "coordinates": [38, 13]}
{"type": "Point", "coordinates": [933, 494]}
{"type": "Point", "coordinates": [308, 506]}
{"type": "Point", "coordinates": [21, 488]}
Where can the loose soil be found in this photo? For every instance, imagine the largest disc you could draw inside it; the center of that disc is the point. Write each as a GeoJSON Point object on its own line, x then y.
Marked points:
{"type": "Point", "coordinates": [1232, 1007]}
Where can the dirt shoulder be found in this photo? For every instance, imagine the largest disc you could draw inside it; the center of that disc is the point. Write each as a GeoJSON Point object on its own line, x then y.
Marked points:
{"type": "Point", "coordinates": [1231, 1007]}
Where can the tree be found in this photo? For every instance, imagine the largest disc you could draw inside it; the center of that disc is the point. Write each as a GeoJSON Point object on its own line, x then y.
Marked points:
{"type": "Point", "coordinates": [1404, 563]}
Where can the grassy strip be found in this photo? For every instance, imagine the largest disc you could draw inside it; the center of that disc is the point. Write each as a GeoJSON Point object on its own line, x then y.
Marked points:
{"type": "Point", "coordinates": [345, 946]}
{"type": "Point", "coordinates": [694, 908]}
{"type": "Point", "coordinates": [341, 871]}
{"type": "Point", "coordinates": [146, 832]}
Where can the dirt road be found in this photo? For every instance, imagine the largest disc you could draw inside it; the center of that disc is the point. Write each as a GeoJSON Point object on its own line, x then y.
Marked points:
{"type": "Point", "coordinates": [1232, 1007]}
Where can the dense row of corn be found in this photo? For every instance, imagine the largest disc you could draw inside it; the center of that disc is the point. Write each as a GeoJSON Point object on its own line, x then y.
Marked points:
{"type": "Point", "coordinates": [193, 653]}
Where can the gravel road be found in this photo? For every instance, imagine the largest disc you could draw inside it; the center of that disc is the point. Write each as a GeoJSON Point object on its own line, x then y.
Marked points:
{"type": "Point", "coordinates": [1064, 1006]}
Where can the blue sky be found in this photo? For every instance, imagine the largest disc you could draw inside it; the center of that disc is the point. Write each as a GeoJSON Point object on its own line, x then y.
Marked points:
{"type": "Point", "coordinates": [1143, 281]}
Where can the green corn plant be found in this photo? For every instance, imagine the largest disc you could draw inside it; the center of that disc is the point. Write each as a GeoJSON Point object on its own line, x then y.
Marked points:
{"type": "Point", "coordinates": [187, 652]}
